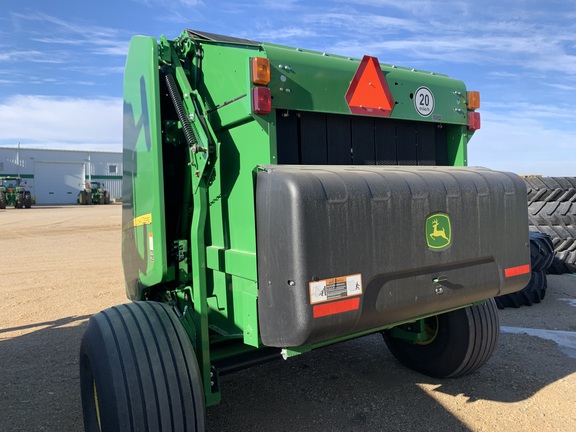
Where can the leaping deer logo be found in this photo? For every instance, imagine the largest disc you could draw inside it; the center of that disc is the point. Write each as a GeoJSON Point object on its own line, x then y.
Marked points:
{"type": "Point", "coordinates": [438, 232]}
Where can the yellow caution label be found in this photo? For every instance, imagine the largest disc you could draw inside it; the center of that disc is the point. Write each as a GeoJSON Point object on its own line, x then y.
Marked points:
{"type": "Point", "coordinates": [145, 219]}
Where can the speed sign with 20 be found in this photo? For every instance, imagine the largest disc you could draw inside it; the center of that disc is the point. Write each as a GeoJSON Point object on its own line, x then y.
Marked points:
{"type": "Point", "coordinates": [424, 101]}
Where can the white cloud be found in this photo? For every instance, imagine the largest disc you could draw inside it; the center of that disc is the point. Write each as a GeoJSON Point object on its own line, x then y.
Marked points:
{"type": "Point", "coordinates": [33, 56]}
{"type": "Point", "coordinates": [285, 34]}
{"type": "Point", "coordinates": [285, 5]}
{"type": "Point", "coordinates": [561, 86]}
{"type": "Point", "coordinates": [171, 3]}
{"type": "Point", "coordinates": [524, 145]}
{"type": "Point", "coordinates": [367, 25]}
{"type": "Point", "coordinates": [71, 123]}
{"type": "Point", "coordinates": [107, 40]}
{"type": "Point", "coordinates": [463, 33]}
{"type": "Point", "coordinates": [415, 7]}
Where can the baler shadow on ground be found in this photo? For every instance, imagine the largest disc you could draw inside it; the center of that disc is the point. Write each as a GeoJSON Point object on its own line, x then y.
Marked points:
{"type": "Point", "coordinates": [352, 386]}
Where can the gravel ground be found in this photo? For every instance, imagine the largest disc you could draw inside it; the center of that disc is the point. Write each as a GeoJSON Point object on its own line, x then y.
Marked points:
{"type": "Point", "coordinates": [62, 264]}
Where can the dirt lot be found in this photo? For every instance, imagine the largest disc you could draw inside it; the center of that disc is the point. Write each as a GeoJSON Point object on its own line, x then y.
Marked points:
{"type": "Point", "coordinates": [62, 264]}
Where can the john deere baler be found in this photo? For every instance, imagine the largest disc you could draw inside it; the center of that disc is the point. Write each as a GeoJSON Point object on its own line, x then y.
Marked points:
{"type": "Point", "coordinates": [277, 200]}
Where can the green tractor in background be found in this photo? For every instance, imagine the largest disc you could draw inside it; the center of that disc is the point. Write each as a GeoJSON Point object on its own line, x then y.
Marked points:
{"type": "Point", "coordinates": [94, 193]}
{"type": "Point", "coordinates": [13, 193]}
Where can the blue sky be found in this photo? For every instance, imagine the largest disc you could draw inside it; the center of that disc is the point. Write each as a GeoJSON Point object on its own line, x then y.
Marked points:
{"type": "Point", "coordinates": [62, 62]}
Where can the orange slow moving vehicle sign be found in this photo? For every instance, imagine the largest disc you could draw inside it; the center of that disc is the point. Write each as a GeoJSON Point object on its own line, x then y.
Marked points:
{"type": "Point", "coordinates": [368, 93]}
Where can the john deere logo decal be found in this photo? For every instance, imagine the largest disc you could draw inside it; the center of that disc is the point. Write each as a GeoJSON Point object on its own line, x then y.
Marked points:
{"type": "Point", "coordinates": [438, 231]}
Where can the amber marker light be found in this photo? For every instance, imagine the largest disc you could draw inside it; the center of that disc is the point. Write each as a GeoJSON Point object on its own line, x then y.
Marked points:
{"type": "Point", "coordinates": [473, 100]}
{"type": "Point", "coordinates": [260, 67]}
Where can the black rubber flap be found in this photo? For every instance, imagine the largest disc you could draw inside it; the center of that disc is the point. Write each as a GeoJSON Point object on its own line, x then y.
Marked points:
{"type": "Point", "coordinates": [346, 249]}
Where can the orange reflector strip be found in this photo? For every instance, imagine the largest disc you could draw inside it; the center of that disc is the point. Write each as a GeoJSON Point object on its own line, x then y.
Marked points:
{"type": "Point", "coordinates": [336, 307]}
{"type": "Point", "coordinates": [517, 271]}
{"type": "Point", "coordinates": [260, 70]}
{"type": "Point", "coordinates": [473, 100]}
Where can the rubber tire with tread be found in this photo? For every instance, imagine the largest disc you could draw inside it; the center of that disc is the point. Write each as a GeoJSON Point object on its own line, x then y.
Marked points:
{"type": "Point", "coordinates": [552, 211]}
{"type": "Point", "coordinates": [138, 372]}
{"type": "Point", "coordinates": [465, 340]}
{"type": "Point", "coordinates": [541, 251]}
{"type": "Point", "coordinates": [564, 262]}
{"type": "Point", "coordinates": [19, 201]}
{"type": "Point", "coordinates": [27, 201]}
{"type": "Point", "coordinates": [2, 200]}
{"type": "Point", "coordinates": [550, 188]}
{"type": "Point", "coordinates": [534, 292]}
{"type": "Point", "coordinates": [564, 241]}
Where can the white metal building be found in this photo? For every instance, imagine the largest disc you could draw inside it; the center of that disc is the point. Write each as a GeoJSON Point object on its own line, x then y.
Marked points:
{"type": "Point", "coordinates": [56, 176]}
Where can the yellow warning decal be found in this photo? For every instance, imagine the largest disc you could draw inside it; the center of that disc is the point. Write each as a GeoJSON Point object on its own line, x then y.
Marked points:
{"type": "Point", "coordinates": [145, 219]}
{"type": "Point", "coordinates": [335, 288]}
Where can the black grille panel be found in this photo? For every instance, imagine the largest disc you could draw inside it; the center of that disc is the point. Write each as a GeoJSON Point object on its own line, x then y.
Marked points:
{"type": "Point", "coordinates": [308, 138]}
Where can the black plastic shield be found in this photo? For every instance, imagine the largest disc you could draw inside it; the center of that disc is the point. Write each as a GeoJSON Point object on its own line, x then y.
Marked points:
{"type": "Point", "coordinates": [346, 249]}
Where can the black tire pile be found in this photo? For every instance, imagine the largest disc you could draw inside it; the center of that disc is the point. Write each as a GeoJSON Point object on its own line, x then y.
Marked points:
{"type": "Point", "coordinates": [552, 223]}
{"type": "Point", "coordinates": [552, 211]}
{"type": "Point", "coordinates": [541, 257]}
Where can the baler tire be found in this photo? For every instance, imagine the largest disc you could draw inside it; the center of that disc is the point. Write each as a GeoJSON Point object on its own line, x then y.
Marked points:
{"type": "Point", "coordinates": [534, 292]}
{"type": "Point", "coordinates": [464, 341]}
{"type": "Point", "coordinates": [138, 371]}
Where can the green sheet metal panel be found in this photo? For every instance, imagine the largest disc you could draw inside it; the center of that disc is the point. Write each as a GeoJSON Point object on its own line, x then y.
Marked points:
{"type": "Point", "coordinates": [144, 254]}
{"type": "Point", "coordinates": [313, 81]}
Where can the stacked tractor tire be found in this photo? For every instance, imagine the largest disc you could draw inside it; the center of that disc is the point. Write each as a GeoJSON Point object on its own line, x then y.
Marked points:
{"type": "Point", "coordinates": [552, 211]}
{"type": "Point", "coordinates": [552, 220]}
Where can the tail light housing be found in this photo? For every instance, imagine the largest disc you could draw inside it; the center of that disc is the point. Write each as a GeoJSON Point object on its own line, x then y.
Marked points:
{"type": "Point", "coordinates": [261, 100]}
{"type": "Point", "coordinates": [260, 70]}
{"type": "Point", "coordinates": [473, 100]}
{"type": "Point", "coordinates": [473, 120]}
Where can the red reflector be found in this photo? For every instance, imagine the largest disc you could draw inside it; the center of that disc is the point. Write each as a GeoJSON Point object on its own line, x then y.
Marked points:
{"type": "Point", "coordinates": [473, 121]}
{"type": "Point", "coordinates": [517, 271]}
{"type": "Point", "coordinates": [261, 100]}
{"type": "Point", "coordinates": [336, 307]}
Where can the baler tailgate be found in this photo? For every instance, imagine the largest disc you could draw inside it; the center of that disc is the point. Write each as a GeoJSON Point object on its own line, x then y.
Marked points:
{"type": "Point", "coordinates": [345, 249]}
